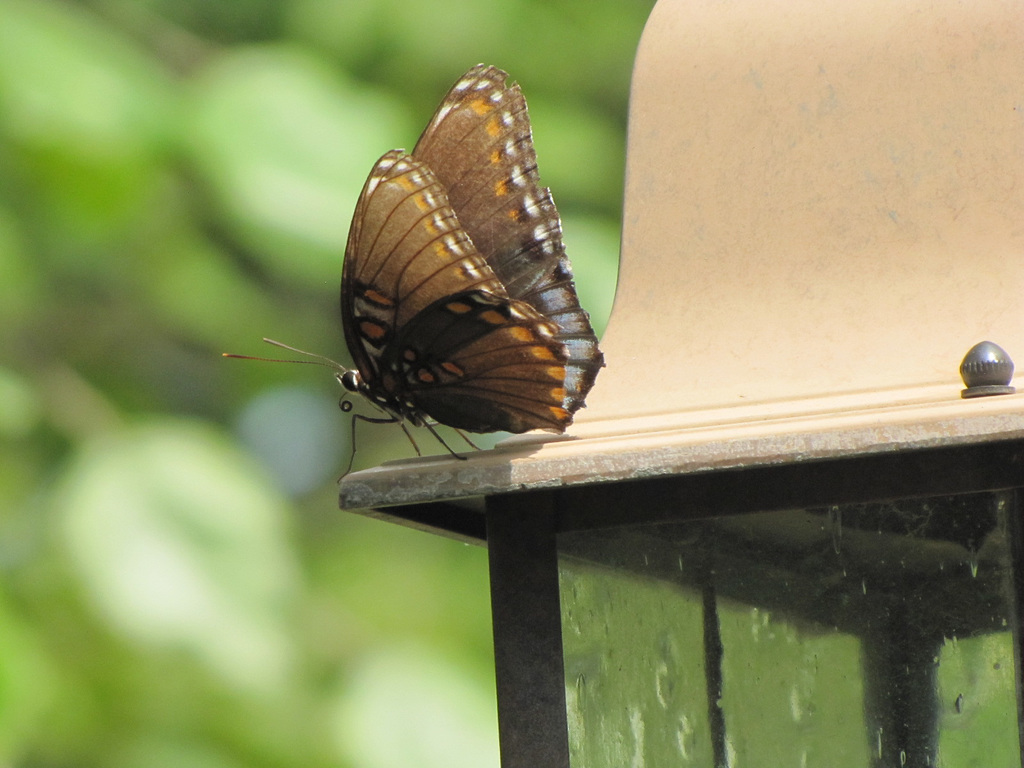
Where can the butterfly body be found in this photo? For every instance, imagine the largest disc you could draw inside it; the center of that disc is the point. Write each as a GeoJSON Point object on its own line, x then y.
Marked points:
{"type": "Point", "coordinates": [457, 299]}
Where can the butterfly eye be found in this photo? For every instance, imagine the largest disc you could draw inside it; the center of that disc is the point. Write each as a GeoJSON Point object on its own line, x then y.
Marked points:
{"type": "Point", "coordinates": [350, 381]}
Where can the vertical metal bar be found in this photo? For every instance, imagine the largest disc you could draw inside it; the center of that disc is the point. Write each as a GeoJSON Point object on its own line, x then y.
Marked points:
{"type": "Point", "coordinates": [526, 613]}
{"type": "Point", "coordinates": [714, 654]}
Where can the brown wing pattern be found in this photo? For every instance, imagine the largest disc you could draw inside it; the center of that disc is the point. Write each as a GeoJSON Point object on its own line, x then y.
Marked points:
{"type": "Point", "coordinates": [483, 363]}
{"type": "Point", "coordinates": [480, 145]}
{"type": "Point", "coordinates": [405, 250]}
{"type": "Point", "coordinates": [457, 298]}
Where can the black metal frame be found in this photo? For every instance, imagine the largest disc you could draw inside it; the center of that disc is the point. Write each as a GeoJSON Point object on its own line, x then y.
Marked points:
{"type": "Point", "coordinates": [521, 529]}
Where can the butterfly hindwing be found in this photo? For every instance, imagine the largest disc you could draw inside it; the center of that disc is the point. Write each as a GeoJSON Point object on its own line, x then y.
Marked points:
{"type": "Point", "coordinates": [481, 362]}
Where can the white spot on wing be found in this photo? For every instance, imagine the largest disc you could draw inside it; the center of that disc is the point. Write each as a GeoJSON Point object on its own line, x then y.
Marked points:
{"type": "Point", "coordinates": [530, 206]}
{"type": "Point", "coordinates": [442, 113]}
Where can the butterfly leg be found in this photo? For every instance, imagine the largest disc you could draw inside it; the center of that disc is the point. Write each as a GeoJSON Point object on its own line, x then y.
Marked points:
{"type": "Point", "coordinates": [411, 439]}
{"type": "Point", "coordinates": [440, 439]}
{"type": "Point", "coordinates": [372, 420]}
{"type": "Point", "coordinates": [465, 437]}
{"type": "Point", "coordinates": [408, 434]}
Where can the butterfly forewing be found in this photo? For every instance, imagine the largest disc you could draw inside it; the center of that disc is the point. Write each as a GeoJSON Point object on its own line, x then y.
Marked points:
{"type": "Point", "coordinates": [405, 251]}
{"type": "Point", "coordinates": [480, 145]}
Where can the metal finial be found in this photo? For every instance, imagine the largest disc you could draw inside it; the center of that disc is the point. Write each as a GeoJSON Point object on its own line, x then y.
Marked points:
{"type": "Point", "coordinates": [986, 370]}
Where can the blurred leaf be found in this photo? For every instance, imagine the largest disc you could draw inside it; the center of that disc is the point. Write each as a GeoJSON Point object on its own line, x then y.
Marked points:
{"type": "Point", "coordinates": [405, 41]}
{"type": "Point", "coordinates": [166, 753]}
{"type": "Point", "coordinates": [87, 112]}
{"type": "Point", "coordinates": [580, 154]}
{"type": "Point", "coordinates": [299, 436]}
{"type": "Point", "coordinates": [200, 292]}
{"type": "Point", "coordinates": [286, 145]}
{"type": "Point", "coordinates": [20, 405]}
{"type": "Point", "coordinates": [181, 545]}
{"type": "Point", "coordinates": [405, 706]}
{"type": "Point", "coordinates": [20, 293]}
{"type": "Point", "coordinates": [28, 685]}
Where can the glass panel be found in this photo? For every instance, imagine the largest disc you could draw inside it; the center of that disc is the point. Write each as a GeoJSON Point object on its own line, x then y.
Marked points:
{"type": "Point", "coordinates": [862, 635]}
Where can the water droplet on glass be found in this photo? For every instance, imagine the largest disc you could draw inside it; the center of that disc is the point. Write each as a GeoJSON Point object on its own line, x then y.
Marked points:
{"type": "Point", "coordinates": [835, 519]}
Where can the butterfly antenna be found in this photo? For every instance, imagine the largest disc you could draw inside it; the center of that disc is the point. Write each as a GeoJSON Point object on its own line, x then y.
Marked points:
{"type": "Point", "coordinates": [319, 359]}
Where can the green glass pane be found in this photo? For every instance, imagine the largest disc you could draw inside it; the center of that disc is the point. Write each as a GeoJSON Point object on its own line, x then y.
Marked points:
{"type": "Point", "coordinates": [857, 635]}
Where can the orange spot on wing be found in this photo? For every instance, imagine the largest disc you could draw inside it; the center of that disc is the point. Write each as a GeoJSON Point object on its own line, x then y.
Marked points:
{"type": "Point", "coordinates": [453, 369]}
{"type": "Point", "coordinates": [372, 331]}
{"type": "Point", "coordinates": [458, 307]}
{"type": "Point", "coordinates": [492, 317]}
{"type": "Point", "coordinates": [421, 202]}
{"type": "Point", "coordinates": [495, 156]}
{"type": "Point", "coordinates": [425, 376]}
{"type": "Point", "coordinates": [560, 414]}
{"type": "Point", "coordinates": [376, 297]}
{"type": "Point", "coordinates": [513, 214]}
{"type": "Point", "coordinates": [501, 188]}
{"type": "Point", "coordinates": [481, 106]}
{"type": "Point", "coordinates": [558, 393]}
{"type": "Point", "coordinates": [521, 334]}
{"type": "Point", "coordinates": [493, 127]}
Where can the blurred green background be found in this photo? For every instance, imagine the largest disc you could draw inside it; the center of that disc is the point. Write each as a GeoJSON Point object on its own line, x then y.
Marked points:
{"type": "Point", "coordinates": [176, 180]}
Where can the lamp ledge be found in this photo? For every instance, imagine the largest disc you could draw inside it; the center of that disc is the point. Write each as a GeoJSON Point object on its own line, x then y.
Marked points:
{"type": "Point", "coordinates": [701, 441]}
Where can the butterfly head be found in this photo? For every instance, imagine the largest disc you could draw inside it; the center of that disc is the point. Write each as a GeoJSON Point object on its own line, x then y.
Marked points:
{"type": "Point", "coordinates": [350, 380]}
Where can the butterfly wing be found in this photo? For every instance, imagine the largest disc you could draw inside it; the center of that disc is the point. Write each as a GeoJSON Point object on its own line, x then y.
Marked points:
{"type": "Point", "coordinates": [480, 145]}
{"type": "Point", "coordinates": [483, 363]}
{"type": "Point", "coordinates": [405, 251]}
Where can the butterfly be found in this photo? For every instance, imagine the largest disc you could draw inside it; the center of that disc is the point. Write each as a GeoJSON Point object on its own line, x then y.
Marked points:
{"type": "Point", "coordinates": [457, 299]}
